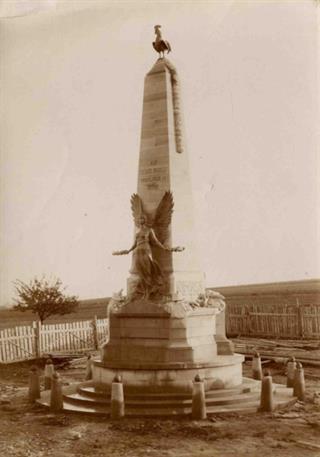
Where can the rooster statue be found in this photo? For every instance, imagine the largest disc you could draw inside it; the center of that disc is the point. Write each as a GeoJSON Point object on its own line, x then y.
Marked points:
{"type": "Point", "coordinates": [160, 45]}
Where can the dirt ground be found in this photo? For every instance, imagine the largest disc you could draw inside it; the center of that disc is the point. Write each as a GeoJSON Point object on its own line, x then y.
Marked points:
{"type": "Point", "coordinates": [30, 431]}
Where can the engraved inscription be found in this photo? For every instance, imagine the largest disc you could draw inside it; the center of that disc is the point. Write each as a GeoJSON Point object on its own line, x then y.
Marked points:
{"type": "Point", "coordinates": [153, 186]}
{"type": "Point", "coordinates": [151, 179]}
{"type": "Point", "coordinates": [152, 172]}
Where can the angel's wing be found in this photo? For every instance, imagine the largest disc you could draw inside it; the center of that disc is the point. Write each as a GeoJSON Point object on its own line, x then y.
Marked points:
{"type": "Point", "coordinates": [136, 208]}
{"type": "Point", "coordinates": [162, 217]}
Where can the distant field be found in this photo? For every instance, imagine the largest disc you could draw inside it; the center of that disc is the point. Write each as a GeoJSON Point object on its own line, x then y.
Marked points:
{"type": "Point", "coordinates": [291, 292]}
{"type": "Point", "coordinates": [289, 288]}
{"type": "Point", "coordinates": [87, 310]}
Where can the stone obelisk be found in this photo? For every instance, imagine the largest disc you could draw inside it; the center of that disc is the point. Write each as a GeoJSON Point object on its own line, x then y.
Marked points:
{"type": "Point", "coordinates": [164, 166]}
{"type": "Point", "coordinates": [161, 341]}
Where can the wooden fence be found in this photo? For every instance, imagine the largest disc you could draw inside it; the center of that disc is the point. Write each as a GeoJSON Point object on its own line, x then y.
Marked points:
{"type": "Point", "coordinates": [273, 320]}
{"type": "Point", "coordinates": [32, 341]}
{"type": "Point", "coordinates": [265, 320]}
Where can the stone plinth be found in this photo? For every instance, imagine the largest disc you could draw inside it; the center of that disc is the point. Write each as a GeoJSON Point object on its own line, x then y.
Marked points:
{"type": "Point", "coordinates": [161, 334]}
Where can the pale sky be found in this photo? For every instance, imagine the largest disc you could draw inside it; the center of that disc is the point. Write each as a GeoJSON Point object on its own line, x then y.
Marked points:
{"type": "Point", "coordinates": [71, 102]}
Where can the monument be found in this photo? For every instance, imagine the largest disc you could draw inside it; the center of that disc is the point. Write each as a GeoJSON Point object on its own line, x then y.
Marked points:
{"type": "Point", "coordinates": [167, 335]}
{"type": "Point", "coordinates": [163, 332]}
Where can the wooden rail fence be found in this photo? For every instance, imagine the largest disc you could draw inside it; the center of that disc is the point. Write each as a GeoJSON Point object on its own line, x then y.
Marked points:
{"type": "Point", "coordinates": [273, 320]}
{"type": "Point", "coordinates": [265, 320]}
{"type": "Point", "coordinates": [32, 341]}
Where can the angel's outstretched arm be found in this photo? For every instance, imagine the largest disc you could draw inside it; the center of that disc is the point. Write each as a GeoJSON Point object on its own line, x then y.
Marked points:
{"type": "Point", "coordinates": [166, 248]}
{"type": "Point", "coordinates": [126, 251]}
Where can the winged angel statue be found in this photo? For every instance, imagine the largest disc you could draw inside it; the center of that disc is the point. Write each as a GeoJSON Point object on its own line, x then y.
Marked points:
{"type": "Point", "coordinates": [150, 232]}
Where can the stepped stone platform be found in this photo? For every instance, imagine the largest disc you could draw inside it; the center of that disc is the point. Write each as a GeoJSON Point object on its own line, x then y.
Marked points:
{"type": "Point", "coordinates": [86, 398]}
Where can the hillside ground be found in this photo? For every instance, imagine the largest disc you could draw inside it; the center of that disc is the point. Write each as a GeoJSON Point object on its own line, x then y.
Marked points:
{"type": "Point", "coordinates": [30, 431]}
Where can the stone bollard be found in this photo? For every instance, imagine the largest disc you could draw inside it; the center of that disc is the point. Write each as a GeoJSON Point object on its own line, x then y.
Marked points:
{"type": "Point", "coordinates": [198, 399]}
{"type": "Point", "coordinates": [34, 384]}
{"type": "Point", "coordinates": [256, 366]}
{"type": "Point", "coordinates": [291, 366]}
{"type": "Point", "coordinates": [117, 398]}
{"type": "Point", "coordinates": [299, 387]}
{"type": "Point", "coordinates": [56, 398]}
{"type": "Point", "coordinates": [48, 373]}
{"type": "Point", "coordinates": [89, 368]}
{"type": "Point", "coordinates": [266, 397]}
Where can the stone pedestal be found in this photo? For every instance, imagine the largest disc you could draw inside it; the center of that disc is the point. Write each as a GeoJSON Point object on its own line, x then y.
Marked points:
{"type": "Point", "coordinates": [158, 347]}
{"type": "Point", "coordinates": [160, 334]}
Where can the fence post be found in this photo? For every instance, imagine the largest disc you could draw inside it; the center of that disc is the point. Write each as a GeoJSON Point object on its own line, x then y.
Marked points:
{"type": "Point", "coordinates": [37, 335]}
{"type": "Point", "coordinates": [248, 319]}
{"type": "Point", "coordinates": [95, 333]}
{"type": "Point", "coordinates": [300, 318]}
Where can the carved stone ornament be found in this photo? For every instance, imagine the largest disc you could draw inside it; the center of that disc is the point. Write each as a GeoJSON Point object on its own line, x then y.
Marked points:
{"type": "Point", "coordinates": [210, 299]}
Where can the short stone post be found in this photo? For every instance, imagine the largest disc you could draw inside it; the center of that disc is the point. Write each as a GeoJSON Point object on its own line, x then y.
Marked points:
{"type": "Point", "coordinates": [117, 398]}
{"type": "Point", "coordinates": [34, 384]}
{"type": "Point", "coordinates": [256, 366]}
{"type": "Point", "coordinates": [56, 398]}
{"type": "Point", "coordinates": [266, 397]}
{"type": "Point", "coordinates": [198, 399]}
{"type": "Point", "coordinates": [291, 366]}
{"type": "Point", "coordinates": [48, 373]}
{"type": "Point", "coordinates": [89, 368]}
{"type": "Point", "coordinates": [299, 388]}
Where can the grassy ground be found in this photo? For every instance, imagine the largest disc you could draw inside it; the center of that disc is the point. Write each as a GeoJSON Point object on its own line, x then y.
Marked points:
{"type": "Point", "coordinates": [30, 431]}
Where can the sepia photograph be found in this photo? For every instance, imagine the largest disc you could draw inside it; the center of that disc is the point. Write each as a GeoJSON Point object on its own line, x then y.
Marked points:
{"type": "Point", "coordinates": [160, 228]}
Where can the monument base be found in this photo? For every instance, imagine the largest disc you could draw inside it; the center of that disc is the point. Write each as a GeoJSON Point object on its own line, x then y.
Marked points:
{"type": "Point", "coordinates": [161, 347]}
{"type": "Point", "coordinates": [222, 373]}
{"type": "Point", "coordinates": [161, 333]}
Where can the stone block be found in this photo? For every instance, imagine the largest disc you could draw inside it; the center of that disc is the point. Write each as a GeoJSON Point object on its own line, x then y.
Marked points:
{"type": "Point", "coordinates": [147, 142]}
{"type": "Point", "coordinates": [161, 140]}
{"type": "Point", "coordinates": [140, 322]}
{"type": "Point", "coordinates": [154, 106]}
{"type": "Point", "coordinates": [159, 114]}
{"type": "Point", "coordinates": [136, 332]}
{"type": "Point", "coordinates": [225, 372]}
{"type": "Point", "coordinates": [154, 96]}
{"type": "Point", "coordinates": [201, 340]}
{"type": "Point", "coordinates": [155, 132]}
{"type": "Point", "coordinates": [224, 346]}
{"type": "Point", "coordinates": [175, 323]}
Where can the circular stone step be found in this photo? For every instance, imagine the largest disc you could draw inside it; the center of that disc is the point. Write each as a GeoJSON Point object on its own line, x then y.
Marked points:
{"type": "Point", "coordinates": [84, 398]}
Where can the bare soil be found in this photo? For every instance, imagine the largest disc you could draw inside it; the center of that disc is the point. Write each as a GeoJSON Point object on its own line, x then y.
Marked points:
{"type": "Point", "coordinates": [27, 430]}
